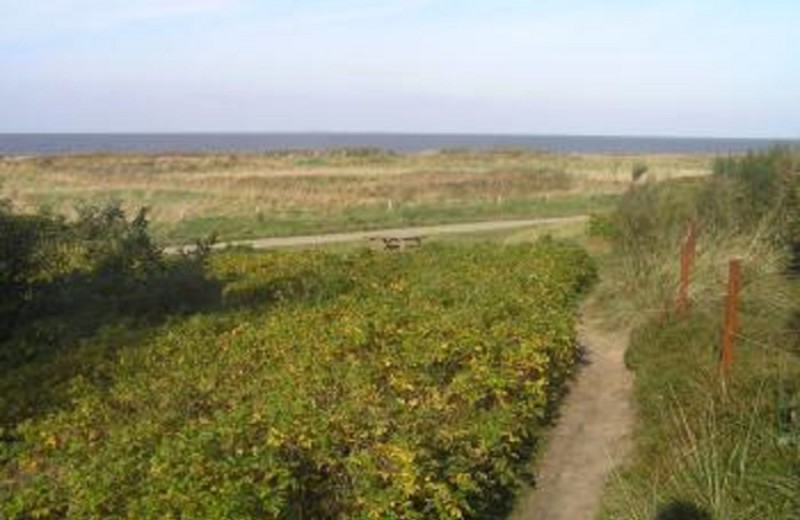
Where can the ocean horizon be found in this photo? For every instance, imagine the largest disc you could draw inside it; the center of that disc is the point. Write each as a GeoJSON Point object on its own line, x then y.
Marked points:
{"type": "Point", "coordinates": [17, 144]}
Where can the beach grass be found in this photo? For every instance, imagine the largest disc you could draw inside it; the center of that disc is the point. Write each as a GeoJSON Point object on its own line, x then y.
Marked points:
{"type": "Point", "coordinates": [279, 194]}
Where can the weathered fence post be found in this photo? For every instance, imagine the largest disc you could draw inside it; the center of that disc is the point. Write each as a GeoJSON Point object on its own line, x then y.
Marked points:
{"type": "Point", "coordinates": [687, 259]}
{"type": "Point", "coordinates": [731, 312]}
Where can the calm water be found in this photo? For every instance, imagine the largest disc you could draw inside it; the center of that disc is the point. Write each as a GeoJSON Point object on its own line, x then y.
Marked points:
{"type": "Point", "coordinates": [32, 144]}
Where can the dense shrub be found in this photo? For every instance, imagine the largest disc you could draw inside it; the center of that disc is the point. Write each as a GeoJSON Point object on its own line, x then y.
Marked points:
{"type": "Point", "coordinates": [40, 252]}
{"type": "Point", "coordinates": [351, 386]}
{"type": "Point", "coordinates": [21, 239]}
{"type": "Point", "coordinates": [114, 246]}
{"type": "Point", "coordinates": [63, 281]}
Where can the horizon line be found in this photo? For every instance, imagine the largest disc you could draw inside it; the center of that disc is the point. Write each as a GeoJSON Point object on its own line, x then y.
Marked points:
{"type": "Point", "coordinates": [395, 133]}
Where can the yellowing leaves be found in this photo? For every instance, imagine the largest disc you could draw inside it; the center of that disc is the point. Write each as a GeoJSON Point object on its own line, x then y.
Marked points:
{"type": "Point", "coordinates": [359, 385]}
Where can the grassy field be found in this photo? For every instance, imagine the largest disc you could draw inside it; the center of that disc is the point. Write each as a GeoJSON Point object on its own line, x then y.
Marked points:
{"type": "Point", "coordinates": [245, 196]}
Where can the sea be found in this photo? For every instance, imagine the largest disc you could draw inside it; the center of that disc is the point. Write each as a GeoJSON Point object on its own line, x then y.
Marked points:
{"type": "Point", "coordinates": [57, 144]}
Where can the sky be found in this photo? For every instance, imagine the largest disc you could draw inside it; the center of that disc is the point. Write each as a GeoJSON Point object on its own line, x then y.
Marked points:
{"type": "Point", "coordinates": [722, 68]}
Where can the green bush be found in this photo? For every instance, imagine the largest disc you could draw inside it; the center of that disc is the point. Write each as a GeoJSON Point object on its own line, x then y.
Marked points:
{"type": "Point", "coordinates": [367, 385]}
{"type": "Point", "coordinates": [114, 246]}
{"type": "Point", "coordinates": [63, 281]}
{"type": "Point", "coordinates": [21, 260]}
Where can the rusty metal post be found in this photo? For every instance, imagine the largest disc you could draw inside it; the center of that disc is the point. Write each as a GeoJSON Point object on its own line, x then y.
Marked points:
{"type": "Point", "coordinates": [687, 260]}
{"type": "Point", "coordinates": [731, 312]}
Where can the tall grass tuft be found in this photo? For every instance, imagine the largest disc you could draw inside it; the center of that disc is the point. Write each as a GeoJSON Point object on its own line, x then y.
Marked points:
{"type": "Point", "coordinates": [710, 444]}
{"type": "Point", "coordinates": [733, 215]}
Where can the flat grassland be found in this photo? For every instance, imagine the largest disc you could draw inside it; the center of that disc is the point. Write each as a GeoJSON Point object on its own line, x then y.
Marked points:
{"type": "Point", "coordinates": [280, 194]}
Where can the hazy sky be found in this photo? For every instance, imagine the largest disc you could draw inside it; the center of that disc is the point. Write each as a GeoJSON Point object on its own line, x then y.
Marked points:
{"type": "Point", "coordinates": [677, 67]}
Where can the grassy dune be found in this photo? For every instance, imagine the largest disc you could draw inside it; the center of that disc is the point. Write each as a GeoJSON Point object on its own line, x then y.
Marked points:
{"type": "Point", "coordinates": [241, 196]}
{"type": "Point", "coordinates": [709, 443]}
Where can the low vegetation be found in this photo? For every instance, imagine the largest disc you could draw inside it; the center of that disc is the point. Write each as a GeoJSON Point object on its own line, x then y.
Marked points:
{"type": "Point", "coordinates": [362, 384]}
{"type": "Point", "coordinates": [711, 443]}
{"type": "Point", "coordinates": [246, 196]}
{"type": "Point", "coordinates": [298, 385]}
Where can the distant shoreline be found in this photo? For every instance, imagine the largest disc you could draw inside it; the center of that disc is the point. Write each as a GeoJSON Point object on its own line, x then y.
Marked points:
{"type": "Point", "coordinates": [33, 144]}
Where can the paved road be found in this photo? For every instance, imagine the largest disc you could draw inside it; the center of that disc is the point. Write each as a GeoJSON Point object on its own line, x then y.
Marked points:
{"type": "Point", "coordinates": [422, 231]}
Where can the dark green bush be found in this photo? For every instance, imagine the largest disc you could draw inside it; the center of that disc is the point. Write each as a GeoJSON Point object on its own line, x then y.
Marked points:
{"type": "Point", "coordinates": [62, 280]}
{"type": "Point", "coordinates": [114, 246]}
{"type": "Point", "coordinates": [21, 260]}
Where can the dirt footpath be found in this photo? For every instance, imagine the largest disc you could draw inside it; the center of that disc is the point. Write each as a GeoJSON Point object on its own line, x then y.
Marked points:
{"type": "Point", "coordinates": [590, 438]}
{"type": "Point", "coordinates": [419, 231]}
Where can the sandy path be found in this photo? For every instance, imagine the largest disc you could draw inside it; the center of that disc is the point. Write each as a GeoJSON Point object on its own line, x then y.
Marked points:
{"type": "Point", "coordinates": [423, 231]}
{"type": "Point", "coordinates": [590, 438]}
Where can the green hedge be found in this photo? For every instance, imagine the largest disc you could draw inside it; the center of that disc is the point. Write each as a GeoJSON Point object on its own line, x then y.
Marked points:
{"type": "Point", "coordinates": [367, 385]}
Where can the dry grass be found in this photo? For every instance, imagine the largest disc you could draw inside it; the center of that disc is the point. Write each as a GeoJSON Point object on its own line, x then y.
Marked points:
{"type": "Point", "coordinates": [183, 188]}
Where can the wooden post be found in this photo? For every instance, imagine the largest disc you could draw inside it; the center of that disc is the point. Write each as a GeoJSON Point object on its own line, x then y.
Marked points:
{"type": "Point", "coordinates": [687, 259]}
{"type": "Point", "coordinates": [731, 313]}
